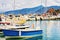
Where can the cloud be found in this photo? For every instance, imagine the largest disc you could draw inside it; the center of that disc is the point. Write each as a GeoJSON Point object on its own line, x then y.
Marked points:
{"type": "Point", "coordinates": [26, 3]}
{"type": "Point", "coordinates": [18, 4]}
{"type": "Point", "coordinates": [52, 3]}
{"type": "Point", "coordinates": [6, 5]}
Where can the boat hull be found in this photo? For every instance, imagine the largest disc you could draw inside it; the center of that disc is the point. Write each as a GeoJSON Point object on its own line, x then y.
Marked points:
{"type": "Point", "coordinates": [21, 33]}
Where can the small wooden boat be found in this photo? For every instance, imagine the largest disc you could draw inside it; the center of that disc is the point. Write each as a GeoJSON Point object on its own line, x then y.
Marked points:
{"type": "Point", "coordinates": [22, 31]}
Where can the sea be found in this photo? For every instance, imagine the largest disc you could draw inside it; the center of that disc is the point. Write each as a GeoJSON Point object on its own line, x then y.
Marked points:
{"type": "Point", "coordinates": [51, 30]}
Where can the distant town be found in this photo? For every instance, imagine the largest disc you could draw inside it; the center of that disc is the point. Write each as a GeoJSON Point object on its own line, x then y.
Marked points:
{"type": "Point", "coordinates": [51, 14]}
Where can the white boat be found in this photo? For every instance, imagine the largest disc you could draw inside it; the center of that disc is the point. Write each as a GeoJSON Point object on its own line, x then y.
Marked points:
{"type": "Point", "coordinates": [49, 18]}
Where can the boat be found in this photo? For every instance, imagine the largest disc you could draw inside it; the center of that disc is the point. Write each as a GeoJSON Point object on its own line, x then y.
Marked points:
{"type": "Point", "coordinates": [49, 18]}
{"type": "Point", "coordinates": [2, 24]}
{"type": "Point", "coordinates": [24, 31]}
{"type": "Point", "coordinates": [21, 33]}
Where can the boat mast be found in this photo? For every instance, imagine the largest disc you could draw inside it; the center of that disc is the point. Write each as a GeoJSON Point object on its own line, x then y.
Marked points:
{"type": "Point", "coordinates": [42, 5]}
{"type": "Point", "coordinates": [45, 28]}
{"type": "Point", "coordinates": [45, 5]}
{"type": "Point", "coordinates": [45, 12]}
{"type": "Point", "coordinates": [3, 5]}
{"type": "Point", "coordinates": [14, 5]}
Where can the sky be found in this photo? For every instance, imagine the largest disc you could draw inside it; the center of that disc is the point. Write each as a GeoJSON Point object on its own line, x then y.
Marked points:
{"type": "Point", "coordinates": [6, 5]}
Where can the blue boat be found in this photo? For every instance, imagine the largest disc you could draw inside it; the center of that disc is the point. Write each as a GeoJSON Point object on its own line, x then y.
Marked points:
{"type": "Point", "coordinates": [20, 33]}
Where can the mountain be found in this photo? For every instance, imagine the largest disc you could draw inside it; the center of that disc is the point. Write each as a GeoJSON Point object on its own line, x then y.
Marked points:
{"type": "Point", "coordinates": [45, 9]}
{"type": "Point", "coordinates": [39, 9]}
{"type": "Point", "coordinates": [25, 10]}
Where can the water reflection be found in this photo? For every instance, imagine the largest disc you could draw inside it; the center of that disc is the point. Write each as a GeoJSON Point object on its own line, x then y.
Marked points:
{"type": "Point", "coordinates": [51, 29]}
{"type": "Point", "coordinates": [53, 32]}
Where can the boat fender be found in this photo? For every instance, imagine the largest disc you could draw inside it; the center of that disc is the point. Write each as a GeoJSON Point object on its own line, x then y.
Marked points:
{"type": "Point", "coordinates": [32, 25]}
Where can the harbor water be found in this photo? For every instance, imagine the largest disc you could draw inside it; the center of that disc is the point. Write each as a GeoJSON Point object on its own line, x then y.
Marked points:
{"type": "Point", "coordinates": [51, 30]}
